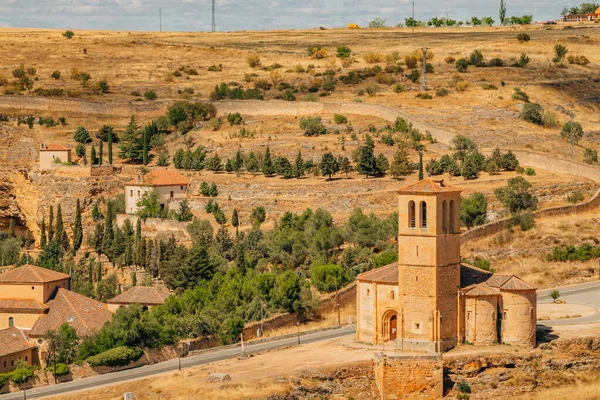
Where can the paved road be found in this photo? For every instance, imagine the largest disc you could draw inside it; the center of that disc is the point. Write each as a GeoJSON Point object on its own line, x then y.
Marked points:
{"type": "Point", "coordinates": [173, 365]}
{"type": "Point", "coordinates": [586, 293]}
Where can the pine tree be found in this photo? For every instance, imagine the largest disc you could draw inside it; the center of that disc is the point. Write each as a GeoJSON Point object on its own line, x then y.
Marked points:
{"type": "Point", "coordinates": [344, 164]}
{"type": "Point", "coordinates": [43, 240]}
{"type": "Point", "coordinates": [110, 155]}
{"type": "Point", "coordinates": [51, 225]}
{"type": "Point", "coordinates": [267, 168]}
{"type": "Point", "coordinates": [328, 165]}
{"type": "Point", "coordinates": [100, 152]}
{"type": "Point", "coordinates": [77, 229]}
{"type": "Point", "coordinates": [93, 158]}
{"type": "Point", "coordinates": [400, 165]}
{"type": "Point", "coordinates": [199, 267]}
{"type": "Point", "coordinates": [367, 163]}
{"type": "Point", "coordinates": [238, 161]}
{"type": "Point", "coordinates": [421, 166]}
{"type": "Point", "coordinates": [131, 146]}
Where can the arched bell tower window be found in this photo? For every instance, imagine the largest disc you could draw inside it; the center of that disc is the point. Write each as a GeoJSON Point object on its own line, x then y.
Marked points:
{"type": "Point", "coordinates": [451, 216]}
{"type": "Point", "coordinates": [11, 322]}
{"type": "Point", "coordinates": [411, 214]}
{"type": "Point", "coordinates": [445, 216]}
{"type": "Point", "coordinates": [423, 214]}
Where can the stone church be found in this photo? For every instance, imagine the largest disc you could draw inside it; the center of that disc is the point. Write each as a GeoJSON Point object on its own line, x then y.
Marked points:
{"type": "Point", "coordinates": [429, 300]}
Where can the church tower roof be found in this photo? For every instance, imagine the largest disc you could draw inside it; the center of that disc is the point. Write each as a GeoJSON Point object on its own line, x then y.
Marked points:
{"type": "Point", "coordinates": [429, 185]}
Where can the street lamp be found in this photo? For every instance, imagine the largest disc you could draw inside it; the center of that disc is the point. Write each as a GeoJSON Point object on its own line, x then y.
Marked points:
{"type": "Point", "coordinates": [298, 325]}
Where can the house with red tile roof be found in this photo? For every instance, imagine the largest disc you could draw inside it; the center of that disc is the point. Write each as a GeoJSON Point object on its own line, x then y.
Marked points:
{"type": "Point", "coordinates": [36, 300]}
{"type": "Point", "coordinates": [146, 296]}
{"type": "Point", "coordinates": [15, 347]}
{"type": "Point", "coordinates": [171, 186]}
{"type": "Point", "coordinates": [53, 154]}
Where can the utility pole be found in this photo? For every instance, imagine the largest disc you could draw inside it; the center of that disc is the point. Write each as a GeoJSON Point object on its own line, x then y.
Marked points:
{"type": "Point", "coordinates": [214, 23]}
{"type": "Point", "coordinates": [160, 20]}
{"type": "Point", "coordinates": [337, 301]}
{"type": "Point", "coordinates": [424, 49]}
{"type": "Point", "coordinates": [413, 17]}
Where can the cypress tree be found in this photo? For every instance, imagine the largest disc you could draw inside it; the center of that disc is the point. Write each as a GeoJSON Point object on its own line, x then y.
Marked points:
{"type": "Point", "coordinates": [51, 225]}
{"type": "Point", "coordinates": [90, 272]}
{"type": "Point", "coordinates": [58, 231]}
{"type": "Point", "coordinates": [43, 233]}
{"type": "Point", "coordinates": [421, 166]}
{"type": "Point", "coordinates": [98, 272]}
{"type": "Point", "coordinates": [235, 221]}
{"type": "Point", "coordinates": [93, 160]}
{"type": "Point", "coordinates": [108, 230]}
{"type": "Point", "coordinates": [300, 166]}
{"type": "Point", "coordinates": [11, 228]}
{"type": "Point", "coordinates": [148, 254]}
{"type": "Point", "coordinates": [77, 229]}
{"type": "Point", "coordinates": [110, 143]}
{"type": "Point", "coordinates": [133, 279]}
{"type": "Point", "coordinates": [145, 148]}
{"type": "Point", "coordinates": [100, 152]}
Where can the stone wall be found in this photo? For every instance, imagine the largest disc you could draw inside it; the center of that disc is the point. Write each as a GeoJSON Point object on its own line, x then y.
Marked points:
{"type": "Point", "coordinates": [408, 377]}
{"type": "Point", "coordinates": [155, 227]}
{"type": "Point", "coordinates": [104, 170]}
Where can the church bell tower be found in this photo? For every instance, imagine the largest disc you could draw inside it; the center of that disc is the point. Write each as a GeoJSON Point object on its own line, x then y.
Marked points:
{"type": "Point", "coordinates": [428, 266]}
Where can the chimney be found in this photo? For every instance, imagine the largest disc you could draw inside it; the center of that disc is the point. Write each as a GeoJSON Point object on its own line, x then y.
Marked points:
{"type": "Point", "coordinates": [140, 178]}
{"type": "Point", "coordinates": [42, 146]}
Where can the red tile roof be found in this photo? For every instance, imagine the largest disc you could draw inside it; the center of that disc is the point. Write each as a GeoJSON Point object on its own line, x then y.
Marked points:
{"type": "Point", "coordinates": [27, 306]}
{"type": "Point", "coordinates": [27, 274]}
{"type": "Point", "coordinates": [388, 274]}
{"type": "Point", "coordinates": [54, 147]}
{"type": "Point", "coordinates": [482, 289]}
{"type": "Point", "coordinates": [142, 295]}
{"type": "Point", "coordinates": [12, 340]}
{"type": "Point", "coordinates": [86, 315]}
{"type": "Point", "coordinates": [161, 177]}
{"type": "Point", "coordinates": [429, 185]}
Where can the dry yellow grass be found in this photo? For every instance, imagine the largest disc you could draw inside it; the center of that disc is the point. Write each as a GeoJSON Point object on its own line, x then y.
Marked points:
{"type": "Point", "coordinates": [582, 391]}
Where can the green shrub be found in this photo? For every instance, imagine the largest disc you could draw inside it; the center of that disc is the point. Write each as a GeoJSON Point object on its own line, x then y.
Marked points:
{"type": "Point", "coordinates": [312, 126]}
{"type": "Point", "coordinates": [496, 62]}
{"type": "Point", "coordinates": [68, 34]}
{"type": "Point", "coordinates": [115, 357]}
{"type": "Point", "coordinates": [150, 95]}
{"type": "Point", "coordinates": [523, 37]}
{"type": "Point", "coordinates": [489, 86]}
{"type": "Point", "coordinates": [103, 87]}
{"type": "Point", "coordinates": [410, 61]}
{"type": "Point", "coordinates": [532, 112]}
{"type": "Point", "coordinates": [344, 51]}
{"type": "Point", "coordinates": [590, 156]}
{"type": "Point", "coordinates": [424, 96]}
{"type": "Point", "coordinates": [524, 220]}
{"type": "Point", "coordinates": [22, 372]}
{"type": "Point", "coordinates": [414, 76]}
{"type": "Point", "coordinates": [441, 92]}
{"type": "Point", "coordinates": [462, 65]}
{"type": "Point", "coordinates": [575, 197]}
{"type": "Point", "coordinates": [384, 79]}
{"type": "Point", "coordinates": [464, 387]}
{"type": "Point", "coordinates": [398, 88]}
{"type": "Point", "coordinates": [450, 60]}
{"type": "Point", "coordinates": [554, 294]}
{"type": "Point", "coordinates": [476, 58]}
{"type": "Point", "coordinates": [584, 252]}
{"type": "Point", "coordinates": [3, 379]}
{"type": "Point", "coordinates": [56, 74]}
{"type": "Point", "coordinates": [216, 68]}
{"type": "Point", "coordinates": [253, 60]}
{"type": "Point", "coordinates": [215, 123]}
{"type": "Point", "coordinates": [530, 171]}
{"type": "Point", "coordinates": [520, 95]}
{"type": "Point", "coordinates": [372, 89]}
{"type": "Point", "coordinates": [579, 60]}
{"type": "Point", "coordinates": [340, 119]}
{"type": "Point", "coordinates": [549, 120]}
{"type": "Point", "coordinates": [61, 369]}
{"type": "Point", "coordinates": [234, 118]}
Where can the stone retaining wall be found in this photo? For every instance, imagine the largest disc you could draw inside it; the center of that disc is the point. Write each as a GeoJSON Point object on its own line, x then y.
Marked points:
{"type": "Point", "coordinates": [407, 377]}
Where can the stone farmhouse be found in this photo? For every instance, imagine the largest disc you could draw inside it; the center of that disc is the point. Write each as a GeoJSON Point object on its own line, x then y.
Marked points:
{"type": "Point", "coordinates": [35, 300]}
{"type": "Point", "coordinates": [53, 153]}
{"type": "Point", "coordinates": [431, 302]}
{"type": "Point", "coordinates": [146, 296]}
{"type": "Point", "coordinates": [171, 186]}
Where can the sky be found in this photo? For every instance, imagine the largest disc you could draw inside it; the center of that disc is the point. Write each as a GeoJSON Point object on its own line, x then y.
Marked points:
{"type": "Point", "coordinates": [232, 15]}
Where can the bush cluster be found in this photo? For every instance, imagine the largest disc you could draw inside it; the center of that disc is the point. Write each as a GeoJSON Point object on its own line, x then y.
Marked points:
{"type": "Point", "coordinates": [571, 253]}
{"type": "Point", "coordinates": [115, 357]}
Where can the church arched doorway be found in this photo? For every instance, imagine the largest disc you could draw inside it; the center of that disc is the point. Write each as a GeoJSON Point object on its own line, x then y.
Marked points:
{"type": "Point", "coordinates": [390, 325]}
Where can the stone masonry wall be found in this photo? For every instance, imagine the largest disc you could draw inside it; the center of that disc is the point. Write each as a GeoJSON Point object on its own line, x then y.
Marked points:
{"type": "Point", "coordinates": [409, 377]}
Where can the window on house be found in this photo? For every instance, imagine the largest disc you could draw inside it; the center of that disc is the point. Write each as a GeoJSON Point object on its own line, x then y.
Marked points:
{"type": "Point", "coordinates": [12, 363]}
{"type": "Point", "coordinates": [445, 216]}
{"type": "Point", "coordinates": [504, 314]}
{"type": "Point", "coordinates": [368, 292]}
{"type": "Point", "coordinates": [392, 295]}
{"type": "Point", "coordinates": [26, 358]}
{"type": "Point", "coordinates": [451, 216]}
{"type": "Point", "coordinates": [138, 193]}
{"type": "Point", "coordinates": [423, 214]}
{"type": "Point", "coordinates": [131, 193]}
{"type": "Point", "coordinates": [11, 322]}
{"type": "Point", "coordinates": [181, 187]}
{"type": "Point", "coordinates": [417, 326]}
{"type": "Point", "coordinates": [4, 364]}
{"type": "Point", "coordinates": [411, 214]}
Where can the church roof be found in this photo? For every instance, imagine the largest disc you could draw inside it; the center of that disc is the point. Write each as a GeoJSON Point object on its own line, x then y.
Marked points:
{"type": "Point", "coordinates": [388, 274]}
{"type": "Point", "coordinates": [142, 295]}
{"type": "Point", "coordinates": [161, 177]}
{"type": "Point", "coordinates": [54, 147]}
{"type": "Point", "coordinates": [85, 315]}
{"type": "Point", "coordinates": [28, 306]}
{"type": "Point", "coordinates": [27, 274]}
{"type": "Point", "coordinates": [473, 281]}
{"type": "Point", "coordinates": [481, 289]}
{"type": "Point", "coordinates": [429, 185]}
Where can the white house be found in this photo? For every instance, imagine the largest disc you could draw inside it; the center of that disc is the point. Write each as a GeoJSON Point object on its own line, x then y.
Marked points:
{"type": "Point", "coordinates": [53, 153]}
{"type": "Point", "coordinates": [171, 187]}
